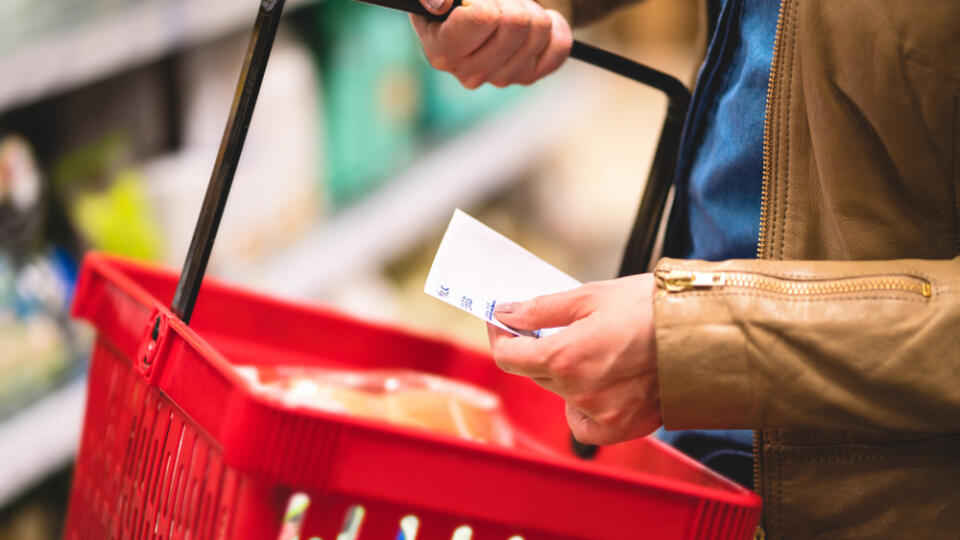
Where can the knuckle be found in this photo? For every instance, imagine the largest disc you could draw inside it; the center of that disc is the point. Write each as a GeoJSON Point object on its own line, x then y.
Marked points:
{"type": "Point", "coordinates": [563, 40]}
{"type": "Point", "coordinates": [484, 14]}
{"type": "Point", "coordinates": [441, 62]}
{"type": "Point", "coordinates": [541, 21]}
{"type": "Point", "coordinates": [610, 417]}
{"type": "Point", "coordinates": [515, 19]}
{"type": "Point", "coordinates": [584, 401]}
{"type": "Point", "coordinates": [592, 287]}
{"type": "Point", "coordinates": [527, 79]}
{"type": "Point", "coordinates": [562, 365]}
{"type": "Point", "coordinates": [471, 82]}
{"type": "Point", "coordinates": [589, 292]}
{"type": "Point", "coordinates": [537, 307]}
{"type": "Point", "coordinates": [501, 361]}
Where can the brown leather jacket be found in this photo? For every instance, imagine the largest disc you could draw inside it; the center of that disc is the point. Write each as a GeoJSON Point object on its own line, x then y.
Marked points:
{"type": "Point", "coordinates": [841, 342]}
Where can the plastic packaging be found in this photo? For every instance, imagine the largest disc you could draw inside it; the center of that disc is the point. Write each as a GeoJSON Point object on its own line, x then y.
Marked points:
{"type": "Point", "coordinates": [401, 397]}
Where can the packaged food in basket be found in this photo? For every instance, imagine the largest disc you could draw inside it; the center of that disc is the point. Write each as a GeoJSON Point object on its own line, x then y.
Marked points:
{"type": "Point", "coordinates": [401, 397]}
{"type": "Point", "coordinates": [293, 519]}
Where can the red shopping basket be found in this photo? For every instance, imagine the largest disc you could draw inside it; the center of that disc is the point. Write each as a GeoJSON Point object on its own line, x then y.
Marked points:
{"type": "Point", "coordinates": [177, 445]}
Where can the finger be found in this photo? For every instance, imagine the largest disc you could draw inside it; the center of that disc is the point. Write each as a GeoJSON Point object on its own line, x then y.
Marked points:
{"type": "Point", "coordinates": [494, 332]}
{"type": "Point", "coordinates": [512, 30]}
{"type": "Point", "coordinates": [519, 355]}
{"type": "Point", "coordinates": [437, 6]}
{"type": "Point", "coordinates": [549, 311]}
{"type": "Point", "coordinates": [546, 383]}
{"type": "Point", "coordinates": [525, 59]}
{"type": "Point", "coordinates": [420, 26]}
{"type": "Point", "coordinates": [561, 40]}
{"type": "Point", "coordinates": [467, 28]}
{"type": "Point", "coordinates": [588, 431]}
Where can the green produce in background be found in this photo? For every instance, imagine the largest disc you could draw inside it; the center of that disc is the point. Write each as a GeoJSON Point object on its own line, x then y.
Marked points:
{"type": "Point", "coordinates": [116, 220]}
{"type": "Point", "coordinates": [369, 57]}
{"type": "Point", "coordinates": [107, 201]}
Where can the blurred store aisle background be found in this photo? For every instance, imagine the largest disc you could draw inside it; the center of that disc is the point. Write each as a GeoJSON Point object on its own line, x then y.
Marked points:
{"type": "Point", "coordinates": [111, 112]}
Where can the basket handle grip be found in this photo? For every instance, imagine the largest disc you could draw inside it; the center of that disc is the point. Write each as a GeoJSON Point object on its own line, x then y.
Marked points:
{"type": "Point", "coordinates": [234, 136]}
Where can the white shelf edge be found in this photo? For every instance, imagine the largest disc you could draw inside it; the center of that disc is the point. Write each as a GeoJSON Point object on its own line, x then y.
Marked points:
{"type": "Point", "coordinates": [40, 439]}
{"type": "Point", "coordinates": [463, 171]}
{"type": "Point", "coordinates": [61, 60]}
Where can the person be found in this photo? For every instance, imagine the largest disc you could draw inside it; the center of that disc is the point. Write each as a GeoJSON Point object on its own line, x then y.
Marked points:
{"type": "Point", "coordinates": [825, 136]}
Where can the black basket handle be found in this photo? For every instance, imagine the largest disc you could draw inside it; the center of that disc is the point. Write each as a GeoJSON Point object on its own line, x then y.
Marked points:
{"type": "Point", "coordinates": [234, 136]}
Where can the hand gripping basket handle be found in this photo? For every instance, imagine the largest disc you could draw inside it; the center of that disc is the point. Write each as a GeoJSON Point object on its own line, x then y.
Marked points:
{"type": "Point", "coordinates": [643, 235]}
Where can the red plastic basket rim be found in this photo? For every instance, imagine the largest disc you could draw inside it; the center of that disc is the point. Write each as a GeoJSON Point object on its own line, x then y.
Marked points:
{"type": "Point", "coordinates": [110, 267]}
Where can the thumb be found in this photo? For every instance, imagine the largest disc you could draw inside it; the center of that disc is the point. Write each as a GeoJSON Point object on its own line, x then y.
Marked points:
{"type": "Point", "coordinates": [549, 311]}
{"type": "Point", "coordinates": [437, 7]}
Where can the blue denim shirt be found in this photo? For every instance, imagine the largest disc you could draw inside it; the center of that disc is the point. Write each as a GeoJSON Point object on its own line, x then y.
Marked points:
{"type": "Point", "coordinates": [720, 167]}
{"type": "Point", "coordinates": [716, 212]}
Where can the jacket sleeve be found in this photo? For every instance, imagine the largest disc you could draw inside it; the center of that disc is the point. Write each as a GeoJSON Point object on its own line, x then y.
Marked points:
{"type": "Point", "coordinates": [861, 346]}
{"type": "Point", "coordinates": [581, 12]}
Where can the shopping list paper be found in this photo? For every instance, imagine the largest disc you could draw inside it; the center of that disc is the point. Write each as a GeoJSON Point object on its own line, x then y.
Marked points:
{"type": "Point", "coordinates": [477, 268]}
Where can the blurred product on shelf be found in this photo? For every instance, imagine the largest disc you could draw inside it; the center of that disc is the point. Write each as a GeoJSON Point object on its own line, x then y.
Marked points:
{"type": "Point", "coordinates": [274, 197]}
{"type": "Point", "coordinates": [106, 199]}
{"type": "Point", "coordinates": [20, 189]}
{"type": "Point", "coordinates": [353, 520]}
{"type": "Point", "coordinates": [401, 397]}
{"type": "Point", "coordinates": [34, 343]}
{"type": "Point", "coordinates": [293, 519]}
{"type": "Point", "coordinates": [37, 342]}
{"type": "Point", "coordinates": [370, 61]}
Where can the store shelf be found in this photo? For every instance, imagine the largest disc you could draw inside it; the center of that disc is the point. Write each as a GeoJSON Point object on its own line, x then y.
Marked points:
{"type": "Point", "coordinates": [138, 33]}
{"type": "Point", "coordinates": [40, 439]}
{"type": "Point", "coordinates": [458, 173]}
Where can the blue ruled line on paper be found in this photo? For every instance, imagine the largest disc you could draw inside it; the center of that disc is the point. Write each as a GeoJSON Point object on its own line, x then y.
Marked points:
{"type": "Point", "coordinates": [490, 309]}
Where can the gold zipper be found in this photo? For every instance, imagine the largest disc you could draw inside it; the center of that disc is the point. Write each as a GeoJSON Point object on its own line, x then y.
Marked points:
{"type": "Point", "coordinates": [676, 281]}
{"type": "Point", "coordinates": [762, 229]}
{"type": "Point", "coordinates": [767, 121]}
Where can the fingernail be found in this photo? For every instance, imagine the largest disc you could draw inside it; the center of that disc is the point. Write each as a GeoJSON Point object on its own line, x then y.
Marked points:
{"type": "Point", "coordinates": [509, 307]}
{"type": "Point", "coordinates": [435, 5]}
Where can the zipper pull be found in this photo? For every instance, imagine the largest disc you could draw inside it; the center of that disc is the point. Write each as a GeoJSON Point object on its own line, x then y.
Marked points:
{"type": "Point", "coordinates": [675, 281]}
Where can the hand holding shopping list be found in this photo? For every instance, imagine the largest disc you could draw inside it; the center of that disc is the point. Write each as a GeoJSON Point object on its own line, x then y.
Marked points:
{"type": "Point", "coordinates": [477, 268]}
{"type": "Point", "coordinates": [603, 363]}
